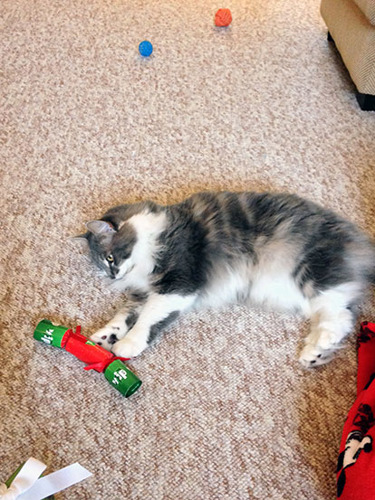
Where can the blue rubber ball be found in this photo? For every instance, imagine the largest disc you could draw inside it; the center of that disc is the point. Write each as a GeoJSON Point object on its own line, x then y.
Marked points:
{"type": "Point", "coordinates": [145, 48]}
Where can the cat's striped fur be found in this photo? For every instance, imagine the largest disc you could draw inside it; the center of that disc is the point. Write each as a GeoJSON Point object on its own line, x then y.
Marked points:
{"type": "Point", "coordinates": [213, 249]}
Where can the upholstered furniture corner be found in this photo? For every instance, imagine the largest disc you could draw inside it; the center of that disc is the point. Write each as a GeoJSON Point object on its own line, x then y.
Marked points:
{"type": "Point", "coordinates": [351, 25]}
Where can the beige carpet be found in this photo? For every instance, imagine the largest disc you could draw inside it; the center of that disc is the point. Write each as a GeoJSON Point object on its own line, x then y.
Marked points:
{"type": "Point", "coordinates": [225, 410]}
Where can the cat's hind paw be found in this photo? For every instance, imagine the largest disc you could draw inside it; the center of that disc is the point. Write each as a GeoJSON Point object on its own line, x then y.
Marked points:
{"type": "Point", "coordinates": [312, 356]}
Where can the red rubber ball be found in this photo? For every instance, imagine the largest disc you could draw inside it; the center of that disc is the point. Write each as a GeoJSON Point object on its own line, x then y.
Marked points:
{"type": "Point", "coordinates": [223, 17]}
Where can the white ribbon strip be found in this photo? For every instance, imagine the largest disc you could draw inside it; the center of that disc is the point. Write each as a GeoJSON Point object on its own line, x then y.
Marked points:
{"type": "Point", "coordinates": [29, 473]}
{"type": "Point", "coordinates": [27, 486]}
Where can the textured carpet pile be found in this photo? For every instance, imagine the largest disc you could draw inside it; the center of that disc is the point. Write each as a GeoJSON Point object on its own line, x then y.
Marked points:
{"type": "Point", "coordinates": [225, 411]}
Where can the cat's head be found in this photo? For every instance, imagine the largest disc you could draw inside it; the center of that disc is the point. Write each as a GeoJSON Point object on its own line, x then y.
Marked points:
{"type": "Point", "coordinates": [126, 238]}
{"type": "Point", "coordinates": [111, 248]}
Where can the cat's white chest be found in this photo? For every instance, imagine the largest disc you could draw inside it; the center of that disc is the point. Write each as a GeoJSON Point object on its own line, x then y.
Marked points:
{"type": "Point", "coordinates": [136, 279]}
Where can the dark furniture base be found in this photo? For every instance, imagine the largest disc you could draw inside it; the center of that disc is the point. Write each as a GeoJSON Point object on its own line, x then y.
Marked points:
{"type": "Point", "coordinates": [366, 101]}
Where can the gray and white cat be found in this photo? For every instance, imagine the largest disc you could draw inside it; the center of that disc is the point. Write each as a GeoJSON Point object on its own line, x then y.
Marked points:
{"type": "Point", "coordinates": [213, 249]}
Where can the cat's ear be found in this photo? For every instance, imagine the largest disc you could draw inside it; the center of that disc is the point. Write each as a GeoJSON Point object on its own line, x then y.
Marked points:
{"type": "Point", "coordinates": [100, 227]}
{"type": "Point", "coordinates": [80, 238]}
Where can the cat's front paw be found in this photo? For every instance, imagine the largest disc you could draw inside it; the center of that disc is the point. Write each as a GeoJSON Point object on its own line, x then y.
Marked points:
{"type": "Point", "coordinates": [107, 336]}
{"type": "Point", "coordinates": [128, 348]}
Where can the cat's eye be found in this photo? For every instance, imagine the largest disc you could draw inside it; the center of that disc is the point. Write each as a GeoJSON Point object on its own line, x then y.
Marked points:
{"type": "Point", "coordinates": [110, 259]}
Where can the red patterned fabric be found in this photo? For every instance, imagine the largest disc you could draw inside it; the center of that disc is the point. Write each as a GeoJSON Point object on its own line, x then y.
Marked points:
{"type": "Point", "coordinates": [356, 464]}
